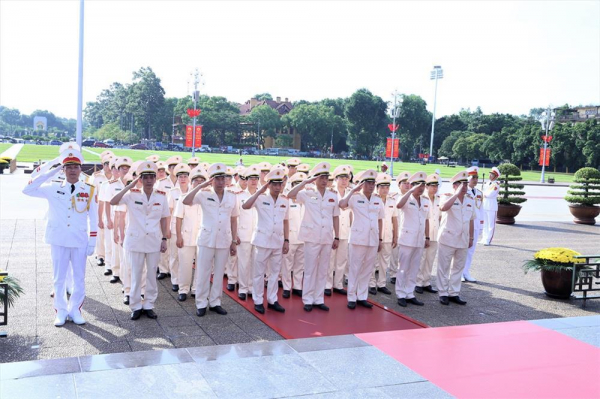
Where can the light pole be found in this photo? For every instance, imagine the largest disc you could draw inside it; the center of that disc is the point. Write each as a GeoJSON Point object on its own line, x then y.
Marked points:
{"type": "Point", "coordinates": [195, 96]}
{"type": "Point", "coordinates": [436, 73]}
{"type": "Point", "coordinates": [547, 122]}
{"type": "Point", "coordinates": [79, 130]}
{"type": "Point", "coordinates": [395, 114]}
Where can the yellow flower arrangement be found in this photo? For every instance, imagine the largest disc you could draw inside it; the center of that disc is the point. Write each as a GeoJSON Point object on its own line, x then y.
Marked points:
{"type": "Point", "coordinates": [558, 255]}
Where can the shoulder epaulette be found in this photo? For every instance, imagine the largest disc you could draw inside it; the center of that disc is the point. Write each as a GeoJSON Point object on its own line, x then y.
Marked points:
{"type": "Point", "coordinates": [448, 195]}
{"type": "Point", "coordinates": [333, 191]}
{"type": "Point", "coordinates": [377, 195]}
{"type": "Point", "coordinates": [135, 190]}
{"type": "Point", "coordinates": [89, 184]}
{"type": "Point", "coordinates": [161, 192]}
{"type": "Point", "coordinates": [98, 173]}
{"type": "Point", "coordinates": [284, 196]}
{"type": "Point", "coordinates": [162, 179]}
{"type": "Point", "coordinates": [205, 189]}
{"type": "Point", "coordinates": [233, 192]}
{"type": "Point", "coordinates": [113, 181]}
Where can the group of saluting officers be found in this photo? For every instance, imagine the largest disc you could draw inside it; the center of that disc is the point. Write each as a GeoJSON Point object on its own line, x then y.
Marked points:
{"type": "Point", "coordinates": [306, 230]}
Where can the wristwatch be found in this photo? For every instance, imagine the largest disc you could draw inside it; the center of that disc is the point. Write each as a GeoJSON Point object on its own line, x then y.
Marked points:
{"type": "Point", "coordinates": [164, 238]}
{"type": "Point", "coordinates": [286, 240]}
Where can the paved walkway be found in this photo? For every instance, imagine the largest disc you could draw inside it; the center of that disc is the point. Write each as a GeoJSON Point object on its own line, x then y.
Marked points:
{"type": "Point", "coordinates": [13, 151]}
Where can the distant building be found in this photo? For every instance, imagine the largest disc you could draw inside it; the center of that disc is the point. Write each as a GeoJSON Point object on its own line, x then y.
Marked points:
{"type": "Point", "coordinates": [249, 129]}
{"type": "Point", "coordinates": [579, 114]}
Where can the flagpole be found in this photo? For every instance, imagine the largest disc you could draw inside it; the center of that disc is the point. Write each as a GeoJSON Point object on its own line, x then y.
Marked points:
{"type": "Point", "coordinates": [80, 77]}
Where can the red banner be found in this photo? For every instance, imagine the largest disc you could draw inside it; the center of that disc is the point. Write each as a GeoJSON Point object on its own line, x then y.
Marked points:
{"type": "Point", "coordinates": [547, 139]}
{"type": "Point", "coordinates": [547, 156]}
{"type": "Point", "coordinates": [393, 127]}
{"type": "Point", "coordinates": [189, 136]}
{"type": "Point", "coordinates": [388, 148]}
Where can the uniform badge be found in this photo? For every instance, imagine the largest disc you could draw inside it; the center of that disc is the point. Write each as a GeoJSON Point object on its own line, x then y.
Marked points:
{"type": "Point", "coordinates": [266, 203]}
{"type": "Point", "coordinates": [211, 199]}
{"type": "Point", "coordinates": [361, 202]}
{"type": "Point", "coordinates": [60, 192]}
{"type": "Point", "coordinates": [331, 200]}
{"type": "Point", "coordinates": [156, 203]}
{"type": "Point", "coordinates": [376, 203]}
{"type": "Point", "coordinates": [139, 203]}
{"type": "Point", "coordinates": [282, 206]}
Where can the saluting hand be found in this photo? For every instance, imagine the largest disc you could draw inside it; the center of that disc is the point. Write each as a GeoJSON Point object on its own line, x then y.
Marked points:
{"type": "Point", "coordinates": [311, 180]}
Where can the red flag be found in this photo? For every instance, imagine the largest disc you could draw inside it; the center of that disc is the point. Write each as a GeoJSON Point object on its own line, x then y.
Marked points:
{"type": "Point", "coordinates": [393, 127]}
{"type": "Point", "coordinates": [388, 148]}
{"type": "Point", "coordinates": [189, 136]}
{"type": "Point", "coordinates": [547, 139]}
{"type": "Point", "coordinates": [193, 112]}
{"type": "Point", "coordinates": [542, 157]}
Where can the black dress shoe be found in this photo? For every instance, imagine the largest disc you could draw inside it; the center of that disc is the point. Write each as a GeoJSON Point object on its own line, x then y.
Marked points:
{"type": "Point", "coordinates": [107, 272]}
{"type": "Point", "coordinates": [340, 291]}
{"type": "Point", "coordinates": [372, 290]}
{"type": "Point", "coordinates": [328, 291]}
{"type": "Point", "coordinates": [280, 284]}
{"type": "Point", "coordinates": [161, 276]}
{"type": "Point", "coordinates": [393, 280]}
{"type": "Point", "coordinates": [114, 280]}
{"type": "Point", "coordinates": [415, 301]}
{"type": "Point", "coordinates": [136, 314]}
{"type": "Point", "coordinates": [286, 293]}
{"type": "Point", "coordinates": [429, 288]}
{"type": "Point", "coordinates": [352, 305]}
{"type": "Point", "coordinates": [322, 306]}
{"type": "Point", "coordinates": [175, 287]}
{"type": "Point", "coordinates": [297, 292]}
{"type": "Point", "coordinates": [308, 308]}
{"type": "Point", "coordinates": [402, 302]}
{"type": "Point", "coordinates": [182, 297]}
{"type": "Point", "coordinates": [169, 274]}
{"type": "Point", "coordinates": [100, 262]}
{"type": "Point", "coordinates": [126, 300]}
{"type": "Point", "coordinates": [230, 287]}
{"type": "Point", "coordinates": [193, 295]}
{"type": "Point", "coordinates": [260, 308]}
{"type": "Point", "coordinates": [242, 296]}
{"type": "Point", "coordinates": [384, 290]}
{"type": "Point", "coordinates": [200, 312]}
{"type": "Point", "coordinates": [150, 314]}
{"type": "Point", "coordinates": [218, 310]}
{"type": "Point", "coordinates": [456, 299]}
{"type": "Point", "coordinates": [364, 304]}
{"type": "Point", "coordinates": [249, 295]}
{"type": "Point", "coordinates": [276, 307]}
{"type": "Point", "coordinates": [418, 290]}
{"type": "Point", "coordinates": [444, 300]}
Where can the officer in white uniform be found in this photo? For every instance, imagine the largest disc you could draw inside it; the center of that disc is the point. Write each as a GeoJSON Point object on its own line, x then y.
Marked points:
{"type": "Point", "coordinates": [104, 215]}
{"type": "Point", "coordinates": [292, 165]}
{"type": "Point", "coordinates": [270, 238]}
{"type": "Point", "coordinates": [217, 239]}
{"type": "Point", "coordinates": [72, 213]}
{"type": "Point", "coordinates": [390, 235]}
{"type": "Point", "coordinates": [304, 168]}
{"type": "Point", "coordinates": [163, 183]}
{"type": "Point", "coordinates": [403, 186]}
{"type": "Point", "coordinates": [321, 216]}
{"type": "Point", "coordinates": [193, 162]}
{"type": "Point", "coordinates": [188, 220]}
{"type": "Point", "coordinates": [339, 257]}
{"type": "Point", "coordinates": [490, 206]}
{"type": "Point", "coordinates": [293, 261]}
{"type": "Point", "coordinates": [434, 216]}
{"type": "Point", "coordinates": [414, 237]}
{"type": "Point", "coordinates": [98, 178]}
{"type": "Point", "coordinates": [265, 168]}
{"type": "Point", "coordinates": [477, 195]}
{"type": "Point", "coordinates": [365, 236]}
{"type": "Point", "coordinates": [455, 238]}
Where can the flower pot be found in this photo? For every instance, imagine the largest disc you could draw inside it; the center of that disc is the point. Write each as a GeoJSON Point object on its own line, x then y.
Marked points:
{"type": "Point", "coordinates": [551, 180]}
{"type": "Point", "coordinates": [557, 284]}
{"type": "Point", "coordinates": [584, 214]}
{"type": "Point", "coordinates": [507, 212]}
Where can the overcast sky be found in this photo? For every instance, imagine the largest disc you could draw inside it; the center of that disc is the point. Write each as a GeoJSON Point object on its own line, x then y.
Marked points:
{"type": "Point", "coordinates": [503, 56]}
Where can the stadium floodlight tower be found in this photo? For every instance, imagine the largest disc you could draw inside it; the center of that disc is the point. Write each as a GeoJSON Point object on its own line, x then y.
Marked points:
{"type": "Point", "coordinates": [436, 73]}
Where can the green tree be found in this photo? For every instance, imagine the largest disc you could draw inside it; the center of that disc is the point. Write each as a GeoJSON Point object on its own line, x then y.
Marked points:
{"type": "Point", "coordinates": [415, 126]}
{"type": "Point", "coordinates": [443, 127]}
{"type": "Point", "coordinates": [145, 101]}
{"type": "Point", "coordinates": [366, 120]}
{"type": "Point", "coordinates": [266, 121]}
{"type": "Point", "coordinates": [263, 96]}
{"type": "Point", "coordinates": [11, 117]}
{"type": "Point", "coordinates": [315, 123]}
{"type": "Point", "coordinates": [446, 149]}
{"type": "Point", "coordinates": [284, 141]}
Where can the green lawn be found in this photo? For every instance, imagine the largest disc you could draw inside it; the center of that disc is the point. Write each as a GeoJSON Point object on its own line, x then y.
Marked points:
{"type": "Point", "coordinates": [31, 153]}
{"type": "Point", "coordinates": [4, 147]}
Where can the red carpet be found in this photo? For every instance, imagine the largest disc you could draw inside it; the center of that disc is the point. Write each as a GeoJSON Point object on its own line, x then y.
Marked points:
{"type": "Point", "coordinates": [500, 360]}
{"type": "Point", "coordinates": [296, 323]}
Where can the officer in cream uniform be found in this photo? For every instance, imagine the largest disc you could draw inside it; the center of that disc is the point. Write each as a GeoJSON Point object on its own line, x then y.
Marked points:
{"type": "Point", "coordinates": [193, 162]}
{"type": "Point", "coordinates": [365, 236]}
{"type": "Point", "coordinates": [265, 168]}
{"type": "Point", "coordinates": [293, 261]}
{"type": "Point", "coordinates": [270, 238]}
{"type": "Point", "coordinates": [490, 206]}
{"type": "Point", "coordinates": [104, 216]}
{"type": "Point", "coordinates": [163, 183]}
{"type": "Point", "coordinates": [101, 176]}
{"type": "Point", "coordinates": [477, 195]}
{"type": "Point", "coordinates": [455, 238]}
{"type": "Point", "coordinates": [217, 239]}
{"type": "Point", "coordinates": [403, 186]}
{"type": "Point", "coordinates": [292, 165]}
{"type": "Point", "coordinates": [390, 235]}
{"type": "Point", "coordinates": [434, 216]}
{"type": "Point", "coordinates": [72, 213]}
{"type": "Point", "coordinates": [414, 237]}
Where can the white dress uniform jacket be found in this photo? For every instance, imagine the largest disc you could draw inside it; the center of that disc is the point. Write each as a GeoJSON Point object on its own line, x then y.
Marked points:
{"type": "Point", "coordinates": [490, 194]}
{"type": "Point", "coordinates": [454, 228]}
{"type": "Point", "coordinates": [412, 229]}
{"type": "Point", "coordinates": [365, 226]}
{"type": "Point", "coordinates": [271, 214]}
{"type": "Point", "coordinates": [144, 233]}
{"type": "Point", "coordinates": [216, 218]}
{"type": "Point", "coordinates": [317, 224]}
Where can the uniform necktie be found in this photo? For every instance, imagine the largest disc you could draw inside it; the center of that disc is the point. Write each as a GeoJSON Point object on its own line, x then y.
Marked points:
{"type": "Point", "coordinates": [72, 188]}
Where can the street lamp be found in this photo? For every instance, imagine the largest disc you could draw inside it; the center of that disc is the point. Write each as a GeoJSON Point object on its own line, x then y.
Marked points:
{"type": "Point", "coordinates": [436, 73]}
{"type": "Point", "coordinates": [547, 122]}
{"type": "Point", "coordinates": [395, 113]}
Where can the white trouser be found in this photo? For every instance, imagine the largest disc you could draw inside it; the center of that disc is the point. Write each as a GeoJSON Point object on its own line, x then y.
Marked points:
{"type": "Point", "coordinates": [117, 254]}
{"type": "Point", "coordinates": [207, 260]}
{"type": "Point", "coordinates": [338, 262]}
{"type": "Point", "coordinates": [174, 261]}
{"type": "Point", "coordinates": [406, 278]}
{"type": "Point", "coordinates": [64, 258]}
{"type": "Point", "coordinates": [232, 270]}
{"type": "Point", "coordinates": [451, 262]}
{"type": "Point", "coordinates": [108, 240]}
{"type": "Point", "coordinates": [245, 260]}
{"type": "Point", "coordinates": [163, 262]}
{"type": "Point", "coordinates": [138, 262]}
{"type": "Point", "coordinates": [489, 226]}
{"type": "Point", "coordinates": [126, 275]}
{"type": "Point", "coordinates": [361, 264]}
{"type": "Point", "coordinates": [100, 244]}
{"type": "Point", "coordinates": [293, 267]}
{"type": "Point", "coordinates": [262, 257]}
{"type": "Point", "coordinates": [394, 261]}
{"type": "Point", "coordinates": [316, 265]}
{"type": "Point", "coordinates": [470, 252]}
{"type": "Point", "coordinates": [426, 268]}
{"type": "Point", "coordinates": [381, 265]}
{"type": "Point", "coordinates": [187, 255]}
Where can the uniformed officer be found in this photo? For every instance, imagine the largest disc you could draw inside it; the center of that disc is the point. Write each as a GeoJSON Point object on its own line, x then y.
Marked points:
{"type": "Point", "coordinates": [188, 220]}
{"type": "Point", "coordinates": [100, 177]}
{"type": "Point", "coordinates": [477, 195]}
{"type": "Point", "coordinates": [338, 263]}
{"type": "Point", "coordinates": [242, 182]}
{"type": "Point", "coordinates": [434, 216]}
{"type": "Point", "coordinates": [390, 235]}
{"type": "Point", "coordinates": [365, 236]}
{"type": "Point", "coordinates": [238, 175]}
{"type": "Point", "coordinates": [145, 237]}
{"type": "Point", "coordinates": [229, 172]}
{"type": "Point", "coordinates": [104, 217]}
{"type": "Point", "coordinates": [171, 163]}
{"type": "Point", "coordinates": [292, 165]}
{"type": "Point", "coordinates": [193, 162]}
{"type": "Point", "coordinates": [404, 186]}
{"type": "Point", "coordinates": [72, 214]}
{"type": "Point", "coordinates": [293, 261]}
{"type": "Point", "coordinates": [321, 216]}
{"type": "Point", "coordinates": [414, 237]}
{"type": "Point", "coordinates": [270, 238]}
{"type": "Point", "coordinates": [217, 238]}
{"type": "Point", "coordinates": [490, 206]}
{"type": "Point", "coordinates": [304, 168]}
{"type": "Point", "coordinates": [163, 183]}
{"type": "Point", "coordinates": [166, 181]}
{"type": "Point", "coordinates": [153, 158]}
{"type": "Point", "coordinates": [265, 168]}
{"type": "Point", "coordinates": [455, 237]}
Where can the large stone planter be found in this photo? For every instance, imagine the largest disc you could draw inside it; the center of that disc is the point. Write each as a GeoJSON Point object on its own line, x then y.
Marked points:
{"type": "Point", "coordinates": [507, 213]}
{"type": "Point", "coordinates": [584, 214]}
{"type": "Point", "coordinates": [558, 284]}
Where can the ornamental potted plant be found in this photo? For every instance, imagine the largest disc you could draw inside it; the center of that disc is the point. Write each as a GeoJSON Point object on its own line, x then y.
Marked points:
{"type": "Point", "coordinates": [12, 291]}
{"type": "Point", "coordinates": [584, 196]}
{"type": "Point", "coordinates": [510, 194]}
{"type": "Point", "coordinates": [556, 266]}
